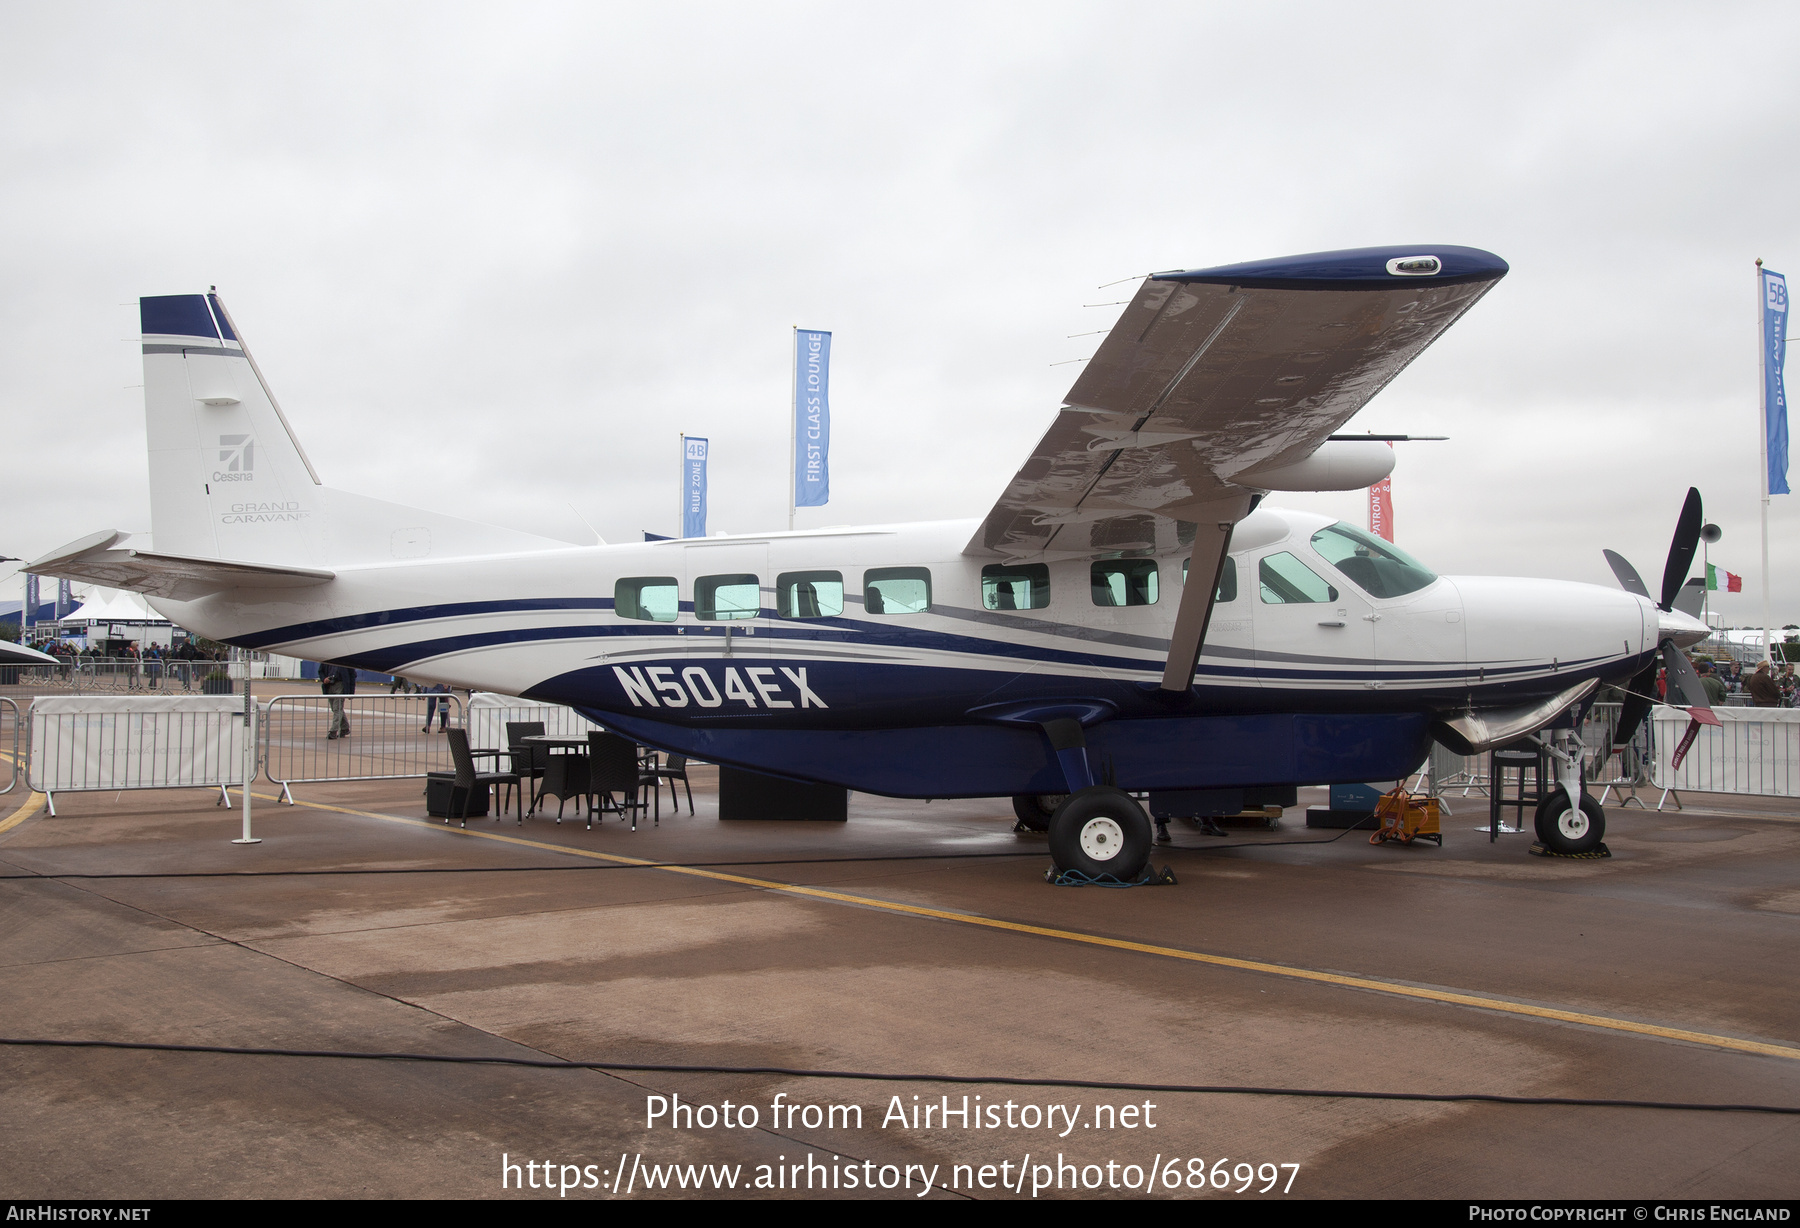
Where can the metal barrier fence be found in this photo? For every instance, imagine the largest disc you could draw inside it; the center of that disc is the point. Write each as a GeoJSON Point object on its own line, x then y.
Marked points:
{"type": "Point", "coordinates": [9, 718]}
{"type": "Point", "coordinates": [377, 737]}
{"type": "Point", "coordinates": [489, 714]}
{"type": "Point", "coordinates": [1627, 769]}
{"type": "Point", "coordinates": [1450, 770]}
{"type": "Point", "coordinates": [1754, 751]}
{"type": "Point", "coordinates": [130, 676]}
{"type": "Point", "coordinates": [92, 743]}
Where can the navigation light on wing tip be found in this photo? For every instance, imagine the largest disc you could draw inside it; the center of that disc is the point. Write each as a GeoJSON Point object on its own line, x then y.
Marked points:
{"type": "Point", "coordinates": [1414, 266]}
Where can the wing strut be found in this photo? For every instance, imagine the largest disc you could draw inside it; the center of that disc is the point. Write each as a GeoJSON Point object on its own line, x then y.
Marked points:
{"type": "Point", "coordinates": [1212, 542]}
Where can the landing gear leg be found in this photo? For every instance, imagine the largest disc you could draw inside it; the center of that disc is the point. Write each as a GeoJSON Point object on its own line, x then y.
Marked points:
{"type": "Point", "coordinates": [1568, 821]}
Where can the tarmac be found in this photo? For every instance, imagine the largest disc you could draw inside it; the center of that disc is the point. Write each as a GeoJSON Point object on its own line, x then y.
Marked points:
{"type": "Point", "coordinates": [916, 939]}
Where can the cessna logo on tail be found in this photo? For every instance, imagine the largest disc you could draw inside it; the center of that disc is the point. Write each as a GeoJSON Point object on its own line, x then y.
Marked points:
{"type": "Point", "coordinates": [237, 456]}
{"type": "Point", "coordinates": [644, 686]}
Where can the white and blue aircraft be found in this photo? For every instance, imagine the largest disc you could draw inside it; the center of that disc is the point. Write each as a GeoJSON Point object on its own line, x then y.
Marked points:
{"type": "Point", "coordinates": [1128, 617]}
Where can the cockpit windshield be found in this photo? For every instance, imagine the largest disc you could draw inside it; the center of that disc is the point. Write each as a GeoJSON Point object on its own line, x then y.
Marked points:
{"type": "Point", "coordinates": [1373, 565]}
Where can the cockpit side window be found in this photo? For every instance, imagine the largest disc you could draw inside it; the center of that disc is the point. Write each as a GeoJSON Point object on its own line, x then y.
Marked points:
{"type": "Point", "coordinates": [1373, 565]}
{"type": "Point", "coordinates": [1287, 581]}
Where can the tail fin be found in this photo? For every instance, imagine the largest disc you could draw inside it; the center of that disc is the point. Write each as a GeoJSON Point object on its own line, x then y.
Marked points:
{"type": "Point", "coordinates": [229, 479]}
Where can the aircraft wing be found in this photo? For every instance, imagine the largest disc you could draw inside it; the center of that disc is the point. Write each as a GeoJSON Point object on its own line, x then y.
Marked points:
{"type": "Point", "coordinates": [99, 560]}
{"type": "Point", "coordinates": [1216, 386]}
{"type": "Point", "coordinates": [1213, 379]}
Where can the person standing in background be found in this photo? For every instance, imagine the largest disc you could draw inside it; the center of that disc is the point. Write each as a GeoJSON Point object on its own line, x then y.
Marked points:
{"type": "Point", "coordinates": [1764, 693]}
{"type": "Point", "coordinates": [338, 681]}
{"type": "Point", "coordinates": [431, 705]}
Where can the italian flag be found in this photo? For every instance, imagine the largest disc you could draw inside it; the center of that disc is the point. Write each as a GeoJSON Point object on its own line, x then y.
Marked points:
{"type": "Point", "coordinates": [1733, 584]}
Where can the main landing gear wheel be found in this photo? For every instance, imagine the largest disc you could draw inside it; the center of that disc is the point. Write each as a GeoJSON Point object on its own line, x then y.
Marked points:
{"type": "Point", "coordinates": [1101, 830]}
{"type": "Point", "coordinates": [1034, 809]}
{"type": "Point", "coordinates": [1562, 829]}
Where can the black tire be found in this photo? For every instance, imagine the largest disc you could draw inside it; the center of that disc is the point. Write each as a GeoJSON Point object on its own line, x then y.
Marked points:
{"type": "Point", "coordinates": [1034, 809]}
{"type": "Point", "coordinates": [1101, 830]}
{"type": "Point", "coordinates": [1562, 832]}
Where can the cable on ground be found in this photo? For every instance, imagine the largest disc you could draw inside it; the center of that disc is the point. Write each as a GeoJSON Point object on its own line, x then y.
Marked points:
{"type": "Point", "coordinates": [876, 1076]}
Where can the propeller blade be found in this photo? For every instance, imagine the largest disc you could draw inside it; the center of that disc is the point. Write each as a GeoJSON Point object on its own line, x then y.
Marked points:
{"type": "Point", "coordinates": [1681, 550]}
{"type": "Point", "coordinates": [1684, 685]}
{"type": "Point", "coordinates": [1629, 580]}
{"type": "Point", "coordinates": [1636, 707]}
{"type": "Point", "coordinates": [1691, 597]}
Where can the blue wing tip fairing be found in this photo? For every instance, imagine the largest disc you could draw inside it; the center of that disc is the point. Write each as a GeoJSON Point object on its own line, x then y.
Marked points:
{"type": "Point", "coordinates": [1361, 268]}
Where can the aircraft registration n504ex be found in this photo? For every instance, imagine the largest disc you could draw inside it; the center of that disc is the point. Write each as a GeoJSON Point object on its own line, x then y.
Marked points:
{"type": "Point", "coordinates": [1128, 613]}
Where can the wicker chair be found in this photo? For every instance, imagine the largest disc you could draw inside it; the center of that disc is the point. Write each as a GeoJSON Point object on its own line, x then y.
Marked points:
{"type": "Point", "coordinates": [613, 768]}
{"type": "Point", "coordinates": [530, 762]}
{"type": "Point", "coordinates": [673, 770]}
{"type": "Point", "coordinates": [469, 780]}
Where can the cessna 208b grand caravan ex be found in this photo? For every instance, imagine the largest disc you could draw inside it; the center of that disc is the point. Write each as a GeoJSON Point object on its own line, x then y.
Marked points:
{"type": "Point", "coordinates": [1127, 618]}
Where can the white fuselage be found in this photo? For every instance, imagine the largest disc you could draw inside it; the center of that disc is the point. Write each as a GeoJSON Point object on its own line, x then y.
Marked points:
{"type": "Point", "coordinates": [543, 620]}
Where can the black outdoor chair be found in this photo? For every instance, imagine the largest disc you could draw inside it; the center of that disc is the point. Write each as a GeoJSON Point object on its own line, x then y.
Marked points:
{"type": "Point", "coordinates": [468, 779]}
{"type": "Point", "coordinates": [613, 768]}
{"type": "Point", "coordinates": [675, 769]}
{"type": "Point", "coordinates": [530, 762]}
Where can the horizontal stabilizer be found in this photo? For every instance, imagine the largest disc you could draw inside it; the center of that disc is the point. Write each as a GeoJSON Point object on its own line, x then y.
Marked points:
{"type": "Point", "coordinates": [18, 654]}
{"type": "Point", "coordinates": [99, 559]}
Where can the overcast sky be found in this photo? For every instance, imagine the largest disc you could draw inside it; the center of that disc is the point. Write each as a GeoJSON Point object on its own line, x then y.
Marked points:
{"type": "Point", "coordinates": [494, 259]}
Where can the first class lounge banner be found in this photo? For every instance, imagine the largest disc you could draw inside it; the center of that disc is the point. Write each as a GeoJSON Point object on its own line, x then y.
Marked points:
{"type": "Point", "coordinates": [812, 418]}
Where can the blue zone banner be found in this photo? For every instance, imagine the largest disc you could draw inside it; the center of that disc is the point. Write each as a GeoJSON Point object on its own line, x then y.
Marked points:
{"type": "Point", "coordinates": [693, 487]}
{"type": "Point", "coordinates": [1775, 423]}
{"type": "Point", "coordinates": [65, 598]}
{"type": "Point", "coordinates": [812, 418]}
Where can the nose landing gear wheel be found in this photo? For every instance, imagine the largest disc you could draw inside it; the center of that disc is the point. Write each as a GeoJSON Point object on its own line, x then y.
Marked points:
{"type": "Point", "coordinates": [1101, 830]}
{"type": "Point", "coordinates": [1563, 829]}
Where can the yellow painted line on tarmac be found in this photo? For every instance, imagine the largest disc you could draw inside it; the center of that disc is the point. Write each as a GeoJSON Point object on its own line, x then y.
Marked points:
{"type": "Point", "coordinates": [27, 808]}
{"type": "Point", "coordinates": [1223, 961]}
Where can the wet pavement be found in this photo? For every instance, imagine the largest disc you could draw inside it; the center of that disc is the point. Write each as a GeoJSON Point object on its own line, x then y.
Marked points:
{"type": "Point", "coordinates": [917, 938]}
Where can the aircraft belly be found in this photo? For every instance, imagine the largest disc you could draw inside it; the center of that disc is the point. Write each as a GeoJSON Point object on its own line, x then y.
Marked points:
{"type": "Point", "coordinates": [993, 760]}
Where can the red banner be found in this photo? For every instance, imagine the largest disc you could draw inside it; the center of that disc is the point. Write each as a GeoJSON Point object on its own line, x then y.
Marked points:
{"type": "Point", "coordinates": [1381, 509]}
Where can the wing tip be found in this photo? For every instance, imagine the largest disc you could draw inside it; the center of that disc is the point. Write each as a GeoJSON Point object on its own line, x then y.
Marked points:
{"type": "Point", "coordinates": [1361, 268]}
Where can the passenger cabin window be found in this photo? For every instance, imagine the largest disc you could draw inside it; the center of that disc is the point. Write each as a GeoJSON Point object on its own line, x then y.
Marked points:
{"type": "Point", "coordinates": [1124, 582]}
{"type": "Point", "coordinates": [653, 599]}
{"type": "Point", "coordinates": [1288, 581]}
{"type": "Point", "coordinates": [724, 597]}
{"type": "Point", "coordinates": [809, 594]}
{"type": "Point", "coordinates": [897, 590]}
{"type": "Point", "coordinates": [1227, 590]}
{"type": "Point", "coordinates": [1015, 586]}
{"type": "Point", "coordinates": [1373, 565]}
